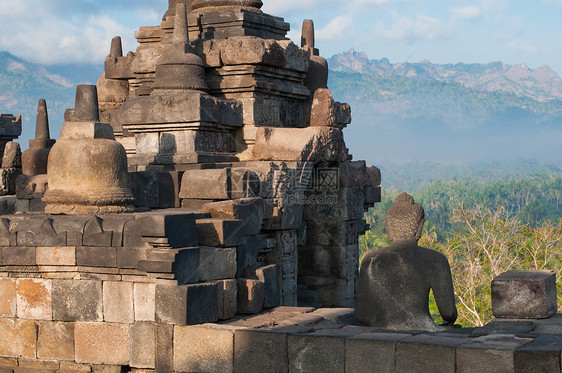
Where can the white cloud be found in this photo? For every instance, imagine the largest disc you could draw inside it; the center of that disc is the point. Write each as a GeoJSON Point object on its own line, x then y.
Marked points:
{"type": "Point", "coordinates": [413, 29]}
{"type": "Point", "coordinates": [466, 12]}
{"type": "Point", "coordinates": [337, 28]}
{"type": "Point", "coordinates": [52, 40]}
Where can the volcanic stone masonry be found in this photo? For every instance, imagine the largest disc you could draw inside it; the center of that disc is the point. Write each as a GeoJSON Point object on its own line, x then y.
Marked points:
{"type": "Point", "coordinates": [204, 179]}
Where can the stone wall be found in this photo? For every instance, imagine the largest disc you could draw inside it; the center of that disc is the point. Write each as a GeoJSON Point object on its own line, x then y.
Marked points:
{"type": "Point", "coordinates": [285, 339]}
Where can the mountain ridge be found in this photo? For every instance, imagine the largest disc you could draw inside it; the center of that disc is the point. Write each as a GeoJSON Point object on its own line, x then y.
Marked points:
{"type": "Point", "coordinates": [542, 83]}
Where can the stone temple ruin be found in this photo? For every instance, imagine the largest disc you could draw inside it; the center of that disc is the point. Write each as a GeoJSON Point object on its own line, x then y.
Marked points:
{"type": "Point", "coordinates": [200, 212]}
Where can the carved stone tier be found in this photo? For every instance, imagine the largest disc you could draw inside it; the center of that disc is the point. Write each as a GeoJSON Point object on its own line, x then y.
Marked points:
{"type": "Point", "coordinates": [225, 23]}
{"type": "Point", "coordinates": [178, 128]}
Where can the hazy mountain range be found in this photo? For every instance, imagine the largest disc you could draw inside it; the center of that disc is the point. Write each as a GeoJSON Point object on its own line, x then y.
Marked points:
{"type": "Point", "coordinates": [401, 112]}
{"type": "Point", "coordinates": [542, 84]}
{"type": "Point", "coordinates": [23, 83]}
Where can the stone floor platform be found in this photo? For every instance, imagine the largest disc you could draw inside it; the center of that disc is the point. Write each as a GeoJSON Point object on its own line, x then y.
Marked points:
{"type": "Point", "coordinates": [298, 339]}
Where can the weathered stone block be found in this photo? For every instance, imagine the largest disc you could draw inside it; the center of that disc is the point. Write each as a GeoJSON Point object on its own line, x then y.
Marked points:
{"type": "Point", "coordinates": [164, 348]}
{"type": "Point", "coordinates": [186, 304]}
{"type": "Point", "coordinates": [202, 303]}
{"type": "Point", "coordinates": [269, 275]}
{"type": "Point", "coordinates": [313, 144]}
{"type": "Point", "coordinates": [96, 256]}
{"type": "Point", "coordinates": [170, 304]}
{"type": "Point", "coordinates": [144, 298]}
{"type": "Point", "coordinates": [39, 232]}
{"type": "Point", "coordinates": [179, 229]}
{"type": "Point", "coordinates": [524, 294]}
{"type": "Point", "coordinates": [102, 343]}
{"type": "Point", "coordinates": [8, 297]}
{"type": "Point", "coordinates": [219, 232]}
{"type": "Point", "coordinates": [490, 353]}
{"type": "Point", "coordinates": [540, 355]}
{"type": "Point", "coordinates": [77, 300]}
{"type": "Point", "coordinates": [186, 266]}
{"type": "Point", "coordinates": [143, 345]}
{"type": "Point", "coordinates": [34, 299]}
{"type": "Point", "coordinates": [156, 189]}
{"type": "Point", "coordinates": [118, 302]}
{"type": "Point", "coordinates": [55, 340]}
{"type": "Point", "coordinates": [129, 257]}
{"type": "Point", "coordinates": [251, 295]}
{"type": "Point", "coordinates": [373, 194]}
{"type": "Point", "coordinates": [203, 349]}
{"type": "Point", "coordinates": [249, 210]}
{"type": "Point", "coordinates": [427, 353]}
{"type": "Point", "coordinates": [18, 338]}
{"type": "Point", "coordinates": [56, 256]}
{"type": "Point", "coordinates": [18, 256]}
{"type": "Point", "coordinates": [308, 353]}
{"type": "Point", "coordinates": [205, 184]}
{"type": "Point", "coordinates": [372, 352]}
{"type": "Point", "coordinates": [251, 346]}
{"type": "Point", "coordinates": [227, 299]}
{"type": "Point", "coordinates": [217, 263]}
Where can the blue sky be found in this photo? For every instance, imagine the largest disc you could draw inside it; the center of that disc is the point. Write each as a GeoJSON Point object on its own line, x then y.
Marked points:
{"type": "Point", "coordinates": [515, 31]}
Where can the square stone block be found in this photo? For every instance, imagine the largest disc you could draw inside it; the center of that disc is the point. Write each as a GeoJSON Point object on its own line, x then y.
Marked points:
{"type": "Point", "coordinates": [540, 355]}
{"type": "Point", "coordinates": [34, 299]}
{"type": "Point", "coordinates": [217, 263]}
{"type": "Point", "coordinates": [372, 352]}
{"type": "Point", "coordinates": [118, 302]}
{"type": "Point", "coordinates": [203, 349]}
{"type": "Point", "coordinates": [186, 304]}
{"type": "Point", "coordinates": [96, 256]}
{"type": "Point", "coordinates": [56, 256]}
{"type": "Point", "coordinates": [18, 256]}
{"type": "Point", "coordinates": [219, 232]}
{"type": "Point", "coordinates": [251, 295]}
{"type": "Point", "coordinates": [316, 354]}
{"type": "Point", "coordinates": [77, 300]}
{"type": "Point", "coordinates": [8, 297]}
{"type": "Point", "coordinates": [249, 210]}
{"type": "Point", "coordinates": [145, 298]}
{"type": "Point", "coordinates": [55, 340]}
{"type": "Point", "coordinates": [524, 295]}
{"type": "Point", "coordinates": [258, 351]}
{"type": "Point", "coordinates": [427, 353]}
{"type": "Point", "coordinates": [18, 338]}
{"type": "Point", "coordinates": [102, 343]}
{"type": "Point", "coordinates": [490, 353]}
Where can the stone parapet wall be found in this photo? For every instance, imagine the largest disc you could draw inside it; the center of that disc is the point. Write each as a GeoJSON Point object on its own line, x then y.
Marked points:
{"type": "Point", "coordinates": [282, 340]}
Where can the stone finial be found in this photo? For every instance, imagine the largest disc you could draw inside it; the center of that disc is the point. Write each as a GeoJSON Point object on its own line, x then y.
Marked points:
{"type": "Point", "coordinates": [116, 49]}
{"type": "Point", "coordinates": [404, 219]}
{"type": "Point", "coordinates": [86, 107]}
{"type": "Point", "coordinates": [34, 159]}
{"type": "Point", "coordinates": [42, 123]}
{"type": "Point", "coordinates": [180, 27]}
{"type": "Point", "coordinates": [307, 35]}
